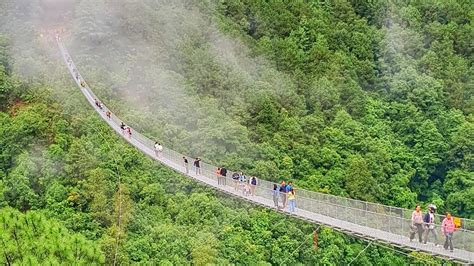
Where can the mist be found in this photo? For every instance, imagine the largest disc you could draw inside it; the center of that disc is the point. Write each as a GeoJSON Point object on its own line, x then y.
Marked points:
{"type": "Point", "coordinates": [162, 66]}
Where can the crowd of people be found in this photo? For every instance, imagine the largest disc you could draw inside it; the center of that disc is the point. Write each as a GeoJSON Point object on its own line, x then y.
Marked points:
{"type": "Point", "coordinates": [285, 194]}
{"type": "Point", "coordinates": [126, 130]}
{"type": "Point", "coordinates": [424, 224]}
{"type": "Point", "coordinates": [246, 184]}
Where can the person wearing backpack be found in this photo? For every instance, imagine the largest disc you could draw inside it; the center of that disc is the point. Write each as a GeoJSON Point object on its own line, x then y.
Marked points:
{"type": "Point", "coordinates": [223, 176]}
{"type": "Point", "coordinates": [197, 166]}
{"type": "Point", "coordinates": [253, 185]}
{"type": "Point", "coordinates": [429, 224]}
{"type": "Point", "coordinates": [236, 178]}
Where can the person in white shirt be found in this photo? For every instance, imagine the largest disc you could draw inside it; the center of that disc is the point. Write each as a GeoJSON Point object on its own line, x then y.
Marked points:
{"type": "Point", "coordinates": [429, 222]}
{"type": "Point", "coordinates": [158, 149]}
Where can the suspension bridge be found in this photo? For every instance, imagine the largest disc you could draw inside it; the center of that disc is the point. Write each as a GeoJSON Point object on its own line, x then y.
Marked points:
{"type": "Point", "coordinates": [366, 220]}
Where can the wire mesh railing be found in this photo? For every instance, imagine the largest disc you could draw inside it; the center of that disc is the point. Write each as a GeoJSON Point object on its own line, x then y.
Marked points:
{"type": "Point", "coordinates": [373, 216]}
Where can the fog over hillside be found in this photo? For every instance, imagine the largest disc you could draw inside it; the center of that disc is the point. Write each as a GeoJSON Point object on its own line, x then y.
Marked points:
{"type": "Point", "coordinates": [164, 59]}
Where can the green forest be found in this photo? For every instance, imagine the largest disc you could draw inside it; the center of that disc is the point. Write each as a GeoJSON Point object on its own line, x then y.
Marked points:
{"type": "Point", "coordinates": [370, 100]}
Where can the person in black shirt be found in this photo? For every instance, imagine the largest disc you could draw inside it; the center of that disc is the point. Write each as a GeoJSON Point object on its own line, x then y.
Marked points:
{"type": "Point", "coordinates": [123, 126]}
{"type": "Point", "coordinates": [223, 176]}
{"type": "Point", "coordinates": [186, 165]}
{"type": "Point", "coordinates": [197, 166]}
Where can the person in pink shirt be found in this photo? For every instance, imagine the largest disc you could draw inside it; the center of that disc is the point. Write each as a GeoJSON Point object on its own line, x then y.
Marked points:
{"type": "Point", "coordinates": [416, 223]}
{"type": "Point", "coordinates": [448, 228]}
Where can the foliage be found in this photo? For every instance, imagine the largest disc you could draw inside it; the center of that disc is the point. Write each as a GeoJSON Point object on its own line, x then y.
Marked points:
{"type": "Point", "coordinates": [153, 216]}
{"type": "Point", "coordinates": [31, 238]}
{"type": "Point", "coordinates": [367, 99]}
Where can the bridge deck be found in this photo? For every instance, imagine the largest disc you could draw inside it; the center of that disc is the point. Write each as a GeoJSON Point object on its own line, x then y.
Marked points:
{"type": "Point", "coordinates": [310, 210]}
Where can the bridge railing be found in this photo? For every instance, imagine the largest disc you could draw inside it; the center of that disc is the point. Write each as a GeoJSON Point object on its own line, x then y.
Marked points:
{"type": "Point", "coordinates": [330, 206]}
{"type": "Point", "coordinates": [376, 217]}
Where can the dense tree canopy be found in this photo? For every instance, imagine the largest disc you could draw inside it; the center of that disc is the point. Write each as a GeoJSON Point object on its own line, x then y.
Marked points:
{"type": "Point", "coordinates": [369, 100]}
{"type": "Point", "coordinates": [33, 239]}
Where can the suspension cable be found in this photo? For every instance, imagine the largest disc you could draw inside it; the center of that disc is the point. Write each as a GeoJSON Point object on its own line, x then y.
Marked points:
{"type": "Point", "coordinates": [362, 251]}
{"type": "Point", "coordinates": [302, 243]}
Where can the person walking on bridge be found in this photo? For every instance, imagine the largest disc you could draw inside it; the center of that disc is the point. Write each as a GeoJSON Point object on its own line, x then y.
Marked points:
{"type": "Point", "coordinates": [448, 227]}
{"type": "Point", "coordinates": [186, 164]}
{"type": "Point", "coordinates": [291, 200]}
{"type": "Point", "coordinates": [218, 175]}
{"type": "Point", "coordinates": [236, 178]}
{"type": "Point", "coordinates": [276, 195]}
{"type": "Point", "coordinates": [243, 183]}
{"type": "Point", "coordinates": [197, 165]}
{"type": "Point", "coordinates": [429, 224]}
{"type": "Point", "coordinates": [158, 149]}
{"type": "Point", "coordinates": [223, 176]}
{"type": "Point", "coordinates": [416, 224]}
{"type": "Point", "coordinates": [253, 185]}
{"type": "Point", "coordinates": [246, 189]}
{"type": "Point", "coordinates": [122, 127]}
{"type": "Point", "coordinates": [98, 104]}
{"type": "Point", "coordinates": [283, 194]}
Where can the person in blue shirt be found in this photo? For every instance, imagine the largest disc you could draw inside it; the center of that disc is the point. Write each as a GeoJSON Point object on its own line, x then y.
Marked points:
{"type": "Point", "coordinates": [289, 187]}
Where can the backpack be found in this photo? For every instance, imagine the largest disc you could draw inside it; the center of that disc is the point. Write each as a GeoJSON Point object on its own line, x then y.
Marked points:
{"type": "Point", "coordinates": [457, 222]}
{"type": "Point", "coordinates": [254, 181]}
{"type": "Point", "coordinates": [235, 176]}
{"type": "Point", "coordinates": [426, 218]}
{"type": "Point", "coordinates": [283, 188]}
